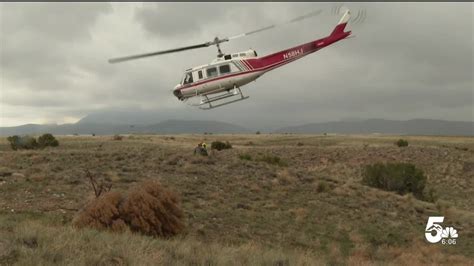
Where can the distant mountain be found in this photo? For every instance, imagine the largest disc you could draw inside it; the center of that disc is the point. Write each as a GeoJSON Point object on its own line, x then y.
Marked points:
{"type": "Point", "coordinates": [165, 127]}
{"type": "Point", "coordinates": [125, 117]}
{"type": "Point", "coordinates": [352, 126]}
{"type": "Point", "coordinates": [409, 127]}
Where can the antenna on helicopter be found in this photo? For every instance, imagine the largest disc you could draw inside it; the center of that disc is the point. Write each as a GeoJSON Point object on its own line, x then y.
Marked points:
{"type": "Point", "coordinates": [215, 42]}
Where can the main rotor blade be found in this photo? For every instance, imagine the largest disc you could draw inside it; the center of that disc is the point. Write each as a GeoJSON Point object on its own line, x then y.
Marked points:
{"type": "Point", "coordinates": [311, 14]}
{"type": "Point", "coordinates": [132, 57]}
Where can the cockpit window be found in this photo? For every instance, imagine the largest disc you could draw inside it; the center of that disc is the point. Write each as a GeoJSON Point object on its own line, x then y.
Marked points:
{"type": "Point", "coordinates": [243, 54]}
{"type": "Point", "coordinates": [211, 72]}
{"type": "Point", "coordinates": [188, 78]}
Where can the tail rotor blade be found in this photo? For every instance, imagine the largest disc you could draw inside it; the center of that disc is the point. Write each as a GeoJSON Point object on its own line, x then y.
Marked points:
{"type": "Point", "coordinates": [360, 18]}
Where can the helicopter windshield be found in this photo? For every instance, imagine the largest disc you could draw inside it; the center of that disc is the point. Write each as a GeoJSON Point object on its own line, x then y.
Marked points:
{"type": "Point", "coordinates": [188, 78]}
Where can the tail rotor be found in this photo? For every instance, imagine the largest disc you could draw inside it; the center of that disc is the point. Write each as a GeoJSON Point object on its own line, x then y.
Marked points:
{"type": "Point", "coordinates": [355, 20]}
{"type": "Point", "coordinates": [359, 18]}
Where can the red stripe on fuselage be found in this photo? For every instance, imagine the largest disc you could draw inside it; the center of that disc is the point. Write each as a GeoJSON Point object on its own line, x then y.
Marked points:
{"type": "Point", "coordinates": [246, 64]}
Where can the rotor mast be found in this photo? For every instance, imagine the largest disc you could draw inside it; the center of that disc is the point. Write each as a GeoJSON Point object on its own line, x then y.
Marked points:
{"type": "Point", "coordinates": [217, 42]}
{"type": "Point", "coordinates": [219, 51]}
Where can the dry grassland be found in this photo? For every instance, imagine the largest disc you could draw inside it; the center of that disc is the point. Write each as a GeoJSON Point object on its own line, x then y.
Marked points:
{"type": "Point", "coordinates": [241, 206]}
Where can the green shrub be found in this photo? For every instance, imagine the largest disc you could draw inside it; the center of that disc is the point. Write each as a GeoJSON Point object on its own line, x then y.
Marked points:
{"type": "Point", "coordinates": [24, 142]}
{"type": "Point", "coordinates": [13, 141]}
{"type": "Point", "coordinates": [402, 143]}
{"type": "Point", "coordinates": [272, 159]}
{"type": "Point", "coordinates": [47, 140]}
{"type": "Point", "coordinates": [399, 177]}
{"type": "Point", "coordinates": [245, 156]}
{"type": "Point", "coordinates": [219, 145]}
{"type": "Point", "coordinates": [258, 132]}
{"type": "Point", "coordinates": [322, 187]}
{"type": "Point", "coordinates": [117, 137]}
{"type": "Point", "coordinates": [30, 143]}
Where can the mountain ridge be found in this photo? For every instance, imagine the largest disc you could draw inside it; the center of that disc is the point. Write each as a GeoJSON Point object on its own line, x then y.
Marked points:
{"type": "Point", "coordinates": [417, 126]}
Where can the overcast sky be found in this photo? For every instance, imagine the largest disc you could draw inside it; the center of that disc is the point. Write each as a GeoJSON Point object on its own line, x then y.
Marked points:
{"type": "Point", "coordinates": [408, 60]}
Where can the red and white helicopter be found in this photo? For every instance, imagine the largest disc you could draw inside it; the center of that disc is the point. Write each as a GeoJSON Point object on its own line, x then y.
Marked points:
{"type": "Point", "coordinates": [223, 77]}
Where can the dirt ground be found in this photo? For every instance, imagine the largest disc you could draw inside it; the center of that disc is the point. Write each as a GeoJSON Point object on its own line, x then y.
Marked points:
{"type": "Point", "coordinates": [312, 201]}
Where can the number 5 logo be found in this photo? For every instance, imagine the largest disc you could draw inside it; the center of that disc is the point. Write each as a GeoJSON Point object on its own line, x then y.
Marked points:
{"type": "Point", "coordinates": [433, 225]}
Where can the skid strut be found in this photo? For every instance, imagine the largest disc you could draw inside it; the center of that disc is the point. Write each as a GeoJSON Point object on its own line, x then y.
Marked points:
{"type": "Point", "coordinates": [207, 100]}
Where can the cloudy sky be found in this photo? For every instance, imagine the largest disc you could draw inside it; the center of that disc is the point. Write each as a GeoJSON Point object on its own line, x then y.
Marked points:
{"type": "Point", "coordinates": [408, 60]}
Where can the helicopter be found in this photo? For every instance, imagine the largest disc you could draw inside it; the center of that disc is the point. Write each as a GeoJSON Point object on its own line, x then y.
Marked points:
{"type": "Point", "coordinates": [223, 78]}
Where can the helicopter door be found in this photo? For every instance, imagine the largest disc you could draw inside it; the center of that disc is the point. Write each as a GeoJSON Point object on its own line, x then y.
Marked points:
{"type": "Point", "coordinates": [228, 69]}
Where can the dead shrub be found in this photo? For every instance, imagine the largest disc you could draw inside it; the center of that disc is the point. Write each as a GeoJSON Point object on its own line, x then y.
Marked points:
{"type": "Point", "coordinates": [102, 213]}
{"type": "Point", "coordinates": [147, 208]}
{"type": "Point", "coordinates": [98, 188]}
{"type": "Point", "coordinates": [152, 210]}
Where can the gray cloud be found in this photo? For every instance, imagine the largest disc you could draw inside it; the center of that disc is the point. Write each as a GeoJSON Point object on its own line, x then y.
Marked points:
{"type": "Point", "coordinates": [39, 42]}
{"type": "Point", "coordinates": [408, 60]}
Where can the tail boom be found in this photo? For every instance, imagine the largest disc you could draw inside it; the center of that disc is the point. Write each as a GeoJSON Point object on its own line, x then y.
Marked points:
{"type": "Point", "coordinates": [281, 58]}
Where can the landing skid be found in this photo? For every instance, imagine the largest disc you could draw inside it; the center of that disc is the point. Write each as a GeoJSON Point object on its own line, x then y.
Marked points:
{"type": "Point", "coordinates": [206, 101]}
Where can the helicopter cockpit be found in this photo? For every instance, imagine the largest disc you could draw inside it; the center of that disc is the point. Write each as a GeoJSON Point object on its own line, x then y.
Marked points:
{"type": "Point", "coordinates": [188, 78]}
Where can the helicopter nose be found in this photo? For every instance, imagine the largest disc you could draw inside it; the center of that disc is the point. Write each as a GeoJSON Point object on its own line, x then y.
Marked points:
{"type": "Point", "coordinates": [177, 92]}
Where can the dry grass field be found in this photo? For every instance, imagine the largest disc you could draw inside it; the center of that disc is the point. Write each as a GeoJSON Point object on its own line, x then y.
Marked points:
{"type": "Point", "coordinates": [310, 208]}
